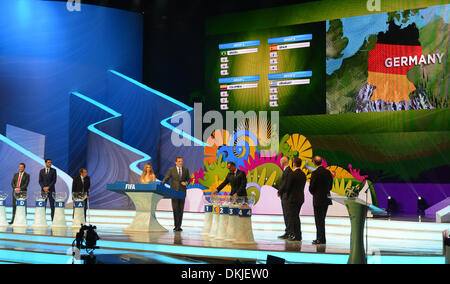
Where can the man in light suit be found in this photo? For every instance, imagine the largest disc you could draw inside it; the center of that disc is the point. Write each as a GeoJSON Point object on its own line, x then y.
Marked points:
{"type": "Point", "coordinates": [19, 183]}
{"type": "Point", "coordinates": [47, 181]}
{"type": "Point", "coordinates": [180, 179]}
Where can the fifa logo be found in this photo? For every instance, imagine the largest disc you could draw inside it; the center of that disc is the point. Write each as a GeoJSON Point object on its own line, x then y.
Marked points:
{"type": "Point", "coordinates": [130, 187]}
{"type": "Point", "coordinates": [73, 5]}
{"type": "Point", "coordinates": [373, 5]}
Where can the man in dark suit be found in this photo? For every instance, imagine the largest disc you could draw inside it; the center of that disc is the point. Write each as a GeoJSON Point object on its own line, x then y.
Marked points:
{"type": "Point", "coordinates": [295, 197]}
{"type": "Point", "coordinates": [238, 181]}
{"type": "Point", "coordinates": [285, 184]}
{"type": "Point", "coordinates": [180, 179]}
{"type": "Point", "coordinates": [19, 184]}
{"type": "Point", "coordinates": [47, 181]}
{"type": "Point", "coordinates": [82, 184]}
{"type": "Point", "coordinates": [320, 187]}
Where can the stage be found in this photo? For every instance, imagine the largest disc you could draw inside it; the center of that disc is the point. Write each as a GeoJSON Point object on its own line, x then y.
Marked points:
{"type": "Point", "coordinates": [405, 241]}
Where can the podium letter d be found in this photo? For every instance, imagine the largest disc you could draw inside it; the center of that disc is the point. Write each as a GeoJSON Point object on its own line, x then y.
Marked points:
{"type": "Point", "coordinates": [73, 5]}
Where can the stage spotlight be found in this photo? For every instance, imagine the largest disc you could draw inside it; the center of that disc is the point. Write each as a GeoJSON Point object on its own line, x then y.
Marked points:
{"type": "Point", "coordinates": [421, 206]}
{"type": "Point", "coordinates": [392, 206]}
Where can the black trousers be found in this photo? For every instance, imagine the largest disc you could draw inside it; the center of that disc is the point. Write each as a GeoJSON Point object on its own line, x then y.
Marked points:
{"type": "Point", "coordinates": [320, 213]}
{"type": "Point", "coordinates": [178, 210]}
{"type": "Point", "coordinates": [293, 219]}
{"type": "Point", "coordinates": [14, 206]}
{"type": "Point", "coordinates": [284, 207]}
{"type": "Point", "coordinates": [52, 202]}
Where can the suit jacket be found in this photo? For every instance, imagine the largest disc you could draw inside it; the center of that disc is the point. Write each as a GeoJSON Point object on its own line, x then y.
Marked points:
{"type": "Point", "coordinates": [296, 190]}
{"type": "Point", "coordinates": [238, 183]}
{"type": "Point", "coordinates": [286, 181]}
{"type": "Point", "coordinates": [176, 180]}
{"type": "Point", "coordinates": [23, 183]}
{"type": "Point", "coordinates": [320, 186]}
{"type": "Point", "coordinates": [79, 186]}
{"type": "Point", "coordinates": [48, 180]}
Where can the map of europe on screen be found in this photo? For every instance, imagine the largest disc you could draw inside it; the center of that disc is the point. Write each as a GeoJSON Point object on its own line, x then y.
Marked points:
{"type": "Point", "coordinates": [388, 62]}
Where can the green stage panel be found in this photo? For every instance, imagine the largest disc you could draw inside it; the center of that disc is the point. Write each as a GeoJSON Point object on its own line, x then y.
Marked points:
{"type": "Point", "coordinates": [306, 13]}
{"type": "Point", "coordinates": [402, 156]}
{"type": "Point", "coordinates": [365, 123]}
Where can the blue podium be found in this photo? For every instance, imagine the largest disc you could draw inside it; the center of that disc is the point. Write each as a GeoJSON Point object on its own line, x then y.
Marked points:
{"type": "Point", "coordinates": [145, 198]}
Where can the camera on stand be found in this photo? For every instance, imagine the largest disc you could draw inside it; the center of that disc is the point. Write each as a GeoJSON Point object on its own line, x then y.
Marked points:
{"type": "Point", "coordinates": [87, 239]}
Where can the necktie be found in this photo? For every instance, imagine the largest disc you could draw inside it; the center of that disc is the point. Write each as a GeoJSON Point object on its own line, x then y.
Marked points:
{"type": "Point", "coordinates": [179, 172]}
{"type": "Point", "coordinates": [20, 180]}
{"type": "Point", "coordinates": [46, 171]}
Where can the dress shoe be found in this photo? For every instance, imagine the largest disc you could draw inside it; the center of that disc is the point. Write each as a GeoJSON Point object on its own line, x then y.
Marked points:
{"type": "Point", "coordinates": [317, 242]}
{"type": "Point", "coordinates": [284, 237]}
{"type": "Point", "coordinates": [294, 238]}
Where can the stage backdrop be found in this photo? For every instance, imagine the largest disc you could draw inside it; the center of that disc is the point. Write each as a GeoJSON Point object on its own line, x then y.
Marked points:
{"type": "Point", "coordinates": [46, 52]}
{"type": "Point", "coordinates": [70, 90]}
{"type": "Point", "coordinates": [367, 86]}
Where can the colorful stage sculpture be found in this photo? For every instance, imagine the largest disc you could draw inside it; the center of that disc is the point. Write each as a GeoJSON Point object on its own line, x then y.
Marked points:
{"type": "Point", "coordinates": [263, 167]}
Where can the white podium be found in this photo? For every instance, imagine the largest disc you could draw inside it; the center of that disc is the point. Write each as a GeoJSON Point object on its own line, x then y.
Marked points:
{"type": "Point", "coordinates": [20, 218]}
{"type": "Point", "coordinates": [215, 218]}
{"type": "Point", "coordinates": [224, 216]}
{"type": "Point", "coordinates": [40, 217]}
{"type": "Point", "coordinates": [145, 198]}
{"type": "Point", "coordinates": [233, 222]}
{"type": "Point", "coordinates": [244, 233]}
{"type": "Point", "coordinates": [3, 221]}
{"type": "Point", "coordinates": [208, 219]}
{"type": "Point", "coordinates": [145, 220]}
{"type": "Point", "coordinates": [59, 219]}
{"type": "Point", "coordinates": [78, 212]}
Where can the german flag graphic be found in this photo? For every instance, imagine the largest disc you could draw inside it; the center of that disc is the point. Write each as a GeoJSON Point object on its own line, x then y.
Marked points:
{"type": "Point", "coordinates": [390, 61]}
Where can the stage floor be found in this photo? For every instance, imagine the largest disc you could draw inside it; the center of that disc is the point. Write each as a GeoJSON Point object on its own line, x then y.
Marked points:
{"type": "Point", "coordinates": [389, 241]}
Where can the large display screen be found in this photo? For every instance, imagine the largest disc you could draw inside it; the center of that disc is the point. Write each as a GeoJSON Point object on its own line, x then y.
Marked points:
{"type": "Point", "coordinates": [279, 69]}
{"type": "Point", "coordinates": [380, 62]}
{"type": "Point", "coordinates": [388, 61]}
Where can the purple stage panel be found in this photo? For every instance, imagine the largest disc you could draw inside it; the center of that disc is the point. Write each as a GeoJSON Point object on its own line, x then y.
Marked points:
{"type": "Point", "coordinates": [431, 212]}
{"type": "Point", "coordinates": [32, 141]}
{"type": "Point", "coordinates": [406, 194]}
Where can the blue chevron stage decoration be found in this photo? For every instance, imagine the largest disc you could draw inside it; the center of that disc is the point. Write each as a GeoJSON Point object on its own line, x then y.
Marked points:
{"type": "Point", "coordinates": [77, 106]}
